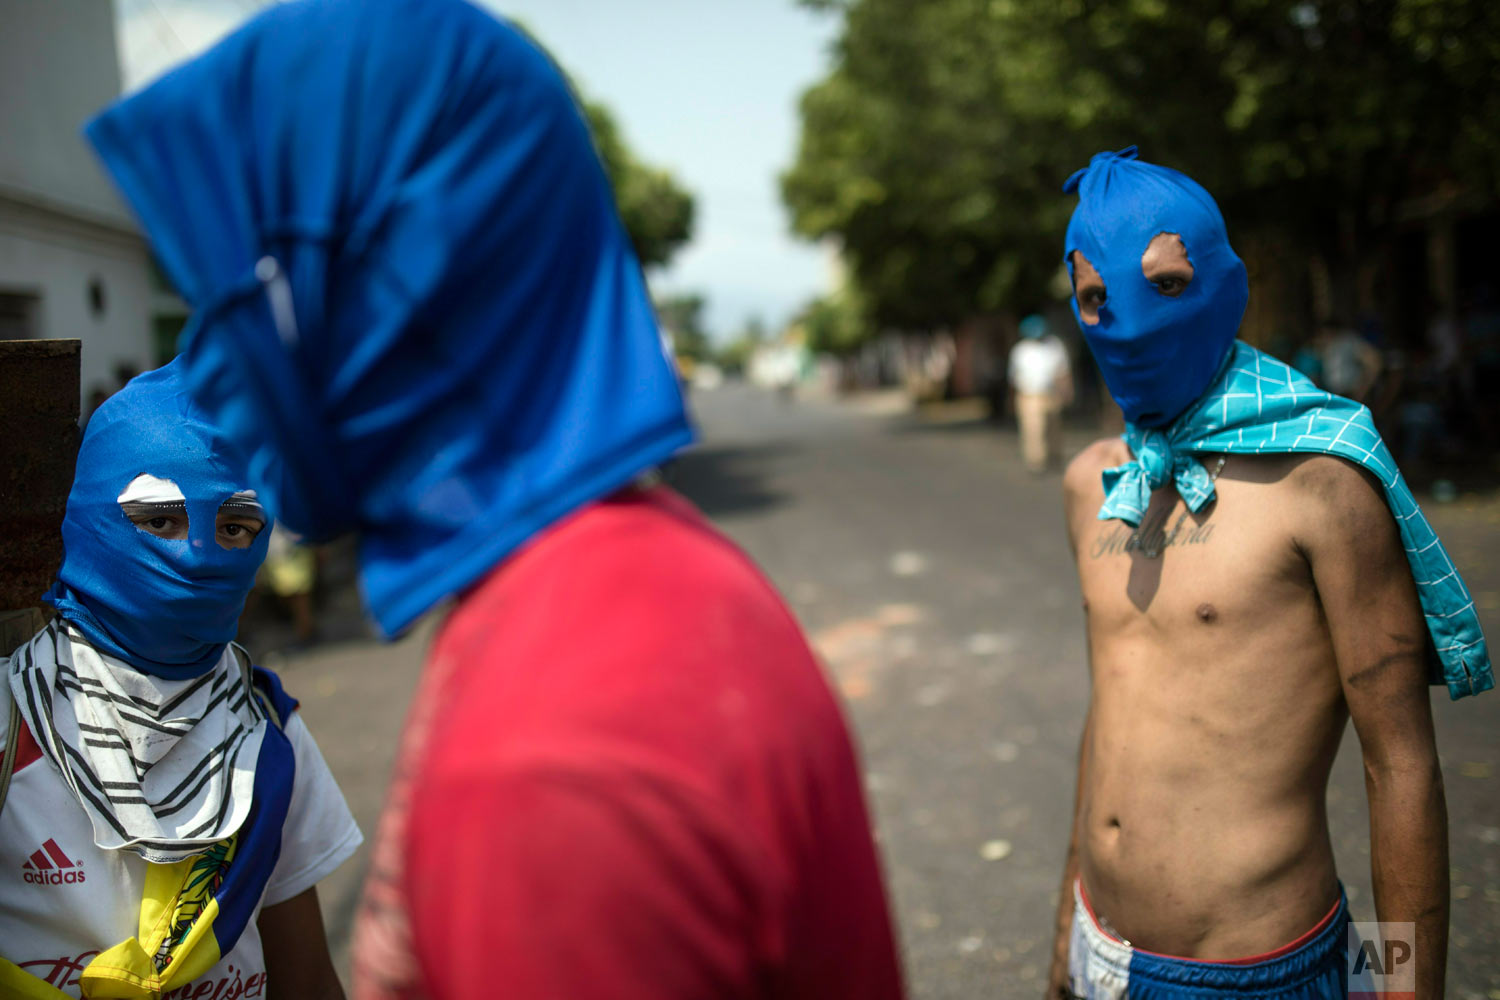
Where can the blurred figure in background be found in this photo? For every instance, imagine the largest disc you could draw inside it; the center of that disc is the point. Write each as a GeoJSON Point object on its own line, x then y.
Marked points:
{"type": "Point", "coordinates": [1351, 365]}
{"type": "Point", "coordinates": [168, 814]}
{"type": "Point", "coordinates": [1042, 381]}
{"type": "Point", "coordinates": [290, 572]}
{"type": "Point", "coordinates": [624, 774]}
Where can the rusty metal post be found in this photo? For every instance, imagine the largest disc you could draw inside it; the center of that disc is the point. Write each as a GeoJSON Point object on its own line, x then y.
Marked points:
{"type": "Point", "coordinates": [39, 388]}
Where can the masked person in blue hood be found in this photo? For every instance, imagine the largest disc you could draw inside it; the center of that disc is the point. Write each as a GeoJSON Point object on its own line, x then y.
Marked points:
{"type": "Point", "coordinates": [1255, 574]}
{"type": "Point", "coordinates": [165, 810]}
{"type": "Point", "coordinates": [624, 775]}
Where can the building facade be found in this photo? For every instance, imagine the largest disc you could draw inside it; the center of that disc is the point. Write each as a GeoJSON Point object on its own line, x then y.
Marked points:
{"type": "Point", "coordinates": [72, 262]}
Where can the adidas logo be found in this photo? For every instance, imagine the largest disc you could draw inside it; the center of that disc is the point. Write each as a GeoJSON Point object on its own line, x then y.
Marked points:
{"type": "Point", "coordinates": [48, 865]}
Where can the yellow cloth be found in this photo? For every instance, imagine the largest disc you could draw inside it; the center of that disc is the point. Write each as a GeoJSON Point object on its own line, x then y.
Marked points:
{"type": "Point", "coordinates": [18, 984]}
{"type": "Point", "coordinates": [290, 572]}
{"type": "Point", "coordinates": [175, 943]}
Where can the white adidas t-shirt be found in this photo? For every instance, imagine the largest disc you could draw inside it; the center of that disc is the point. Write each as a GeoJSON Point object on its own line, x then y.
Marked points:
{"type": "Point", "coordinates": [63, 900]}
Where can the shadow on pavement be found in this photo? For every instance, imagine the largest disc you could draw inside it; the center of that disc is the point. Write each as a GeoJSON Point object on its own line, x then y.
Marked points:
{"type": "Point", "coordinates": [959, 421]}
{"type": "Point", "coordinates": [728, 480]}
{"type": "Point", "coordinates": [921, 424]}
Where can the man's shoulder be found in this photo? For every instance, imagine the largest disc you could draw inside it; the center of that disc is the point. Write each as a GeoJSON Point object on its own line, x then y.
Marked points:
{"type": "Point", "coordinates": [1083, 485]}
{"type": "Point", "coordinates": [1330, 475]}
{"type": "Point", "coordinates": [1342, 494]}
{"type": "Point", "coordinates": [632, 528]}
{"type": "Point", "coordinates": [645, 560]}
{"type": "Point", "coordinates": [1327, 503]}
{"type": "Point", "coordinates": [1081, 477]}
{"type": "Point", "coordinates": [1327, 481]}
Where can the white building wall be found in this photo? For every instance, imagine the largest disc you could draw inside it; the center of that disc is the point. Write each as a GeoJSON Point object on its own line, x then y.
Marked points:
{"type": "Point", "coordinates": [58, 68]}
{"type": "Point", "coordinates": [62, 226]}
{"type": "Point", "coordinates": [57, 258]}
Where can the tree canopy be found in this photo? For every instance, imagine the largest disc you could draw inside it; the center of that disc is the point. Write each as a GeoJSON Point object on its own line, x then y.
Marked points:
{"type": "Point", "coordinates": [681, 316]}
{"type": "Point", "coordinates": [734, 357]}
{"type": "Point", "coordinates": [935, 149]}
{"type": "Point", "coordinates": [656, 210]}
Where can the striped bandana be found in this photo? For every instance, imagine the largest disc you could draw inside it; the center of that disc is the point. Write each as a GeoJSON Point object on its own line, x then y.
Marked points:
{"type": "Point", "coordinates": [165, 768]}
{"type": "Point", "coordinates": [1259, 405]}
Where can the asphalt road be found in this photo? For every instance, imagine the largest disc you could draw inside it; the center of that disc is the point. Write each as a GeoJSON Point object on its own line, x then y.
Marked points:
{"type": "Point", "coordinates": [931, 573]}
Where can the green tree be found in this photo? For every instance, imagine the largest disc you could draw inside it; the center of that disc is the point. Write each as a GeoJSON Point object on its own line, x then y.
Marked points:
{"type": "Point", "coordinates": [735, 356]}
{"type": "Point", "coordinates": [681, 316]}
{"type": "Point", "coordinates": [837, 323]}
{"type": "Point", "coordinates": [656, 210]}
{"type": "Point", "coordinates": [913, 157]}
{"type": "Point", "coordinates": [935, 148]}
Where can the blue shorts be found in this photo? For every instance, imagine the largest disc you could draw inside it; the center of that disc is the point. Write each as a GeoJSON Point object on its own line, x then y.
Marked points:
{"type": "Point", "coordinates": [1103, 967]}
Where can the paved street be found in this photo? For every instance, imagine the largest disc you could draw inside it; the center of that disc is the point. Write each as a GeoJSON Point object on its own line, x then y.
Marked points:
{"type": "Point", "coordinates": [932, 574]}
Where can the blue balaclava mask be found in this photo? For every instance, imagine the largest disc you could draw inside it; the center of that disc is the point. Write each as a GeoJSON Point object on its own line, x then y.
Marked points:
{"type": "Point", "coordinates": [165, 606]}
{"type": "Point", "coordinates": [1158, 354]}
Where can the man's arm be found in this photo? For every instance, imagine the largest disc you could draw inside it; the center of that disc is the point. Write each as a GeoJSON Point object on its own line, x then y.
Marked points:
{"type": "Point", "coordinates": [1058, 986]}
{"type": "Point", "coordinates": [1081, 497]}
{"type": "Point", "coordinates": [296, 950]}
{"type": "Point", "coordinates": [1380, 638]}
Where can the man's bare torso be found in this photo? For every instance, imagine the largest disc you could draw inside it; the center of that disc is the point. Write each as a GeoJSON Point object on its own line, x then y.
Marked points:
{"type": "Point", "coordinates": [1215, 715]}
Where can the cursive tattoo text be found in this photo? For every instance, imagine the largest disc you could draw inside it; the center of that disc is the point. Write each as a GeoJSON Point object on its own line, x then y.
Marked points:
{"type": "Point", "coordinates": [1150, 539]}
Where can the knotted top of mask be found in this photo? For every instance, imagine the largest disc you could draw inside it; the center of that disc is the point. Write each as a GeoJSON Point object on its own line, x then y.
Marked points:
{"type": "Point", "coordinates": [1157, 353]}
{"type": "Point", "coordinates": [165, 606]}
{"type": "Point", "coordinates": [414, 300]}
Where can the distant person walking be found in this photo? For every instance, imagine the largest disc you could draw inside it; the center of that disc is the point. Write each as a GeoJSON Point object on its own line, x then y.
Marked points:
{"type": "Point", "coordinates": [1351, 365]}
{"type": "Point", "coordinates": [1042, 380]}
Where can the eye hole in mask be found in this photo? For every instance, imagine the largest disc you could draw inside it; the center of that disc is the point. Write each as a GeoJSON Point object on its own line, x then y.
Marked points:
{"type": "Point", "coordinates": [1089, 288]}
{"type": "Point", "coordinates": [1166, 265]}
{"type": "Point", "coordinates": [157, 507]}
{"type": "Point", "coordinates": [241, 518]}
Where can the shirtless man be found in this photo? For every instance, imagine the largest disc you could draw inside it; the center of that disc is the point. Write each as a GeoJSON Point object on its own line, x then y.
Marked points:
{"type": "Point", "coordinates": [1228, 646]}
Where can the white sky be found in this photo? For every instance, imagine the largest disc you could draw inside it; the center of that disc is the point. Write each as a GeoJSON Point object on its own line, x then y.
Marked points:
{"type": "Point", "coordinates": [705, 88]}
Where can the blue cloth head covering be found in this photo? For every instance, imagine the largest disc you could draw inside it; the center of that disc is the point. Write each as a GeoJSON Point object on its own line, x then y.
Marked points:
{"type": "Point", "coordinates": [415, 302]}
{"type": "Point", "coordinates": [1033, 327]}
{"type": "Point", "coordinates": [164, 606]}
{"type": "Point", "coordinates": [1158, 354]}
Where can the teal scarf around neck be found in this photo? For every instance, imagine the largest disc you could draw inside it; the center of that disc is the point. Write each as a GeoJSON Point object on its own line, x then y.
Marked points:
{"type": "Point", "coordinates": [1259, 405]}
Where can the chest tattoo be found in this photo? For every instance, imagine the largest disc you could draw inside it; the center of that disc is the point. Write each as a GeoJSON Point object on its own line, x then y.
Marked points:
{"type": "Point", "coordinates": [1150, 539]}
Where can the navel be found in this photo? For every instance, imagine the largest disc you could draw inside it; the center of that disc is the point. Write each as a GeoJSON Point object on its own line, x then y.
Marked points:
{"type": "Point", "coordinates": [1207, 613]}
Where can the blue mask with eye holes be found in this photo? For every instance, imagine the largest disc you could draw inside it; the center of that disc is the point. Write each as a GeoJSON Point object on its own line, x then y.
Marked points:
{"type": "Point", "coordinates": [165, 606]}
{"type": "Point", "coordinates": [1158, 354]}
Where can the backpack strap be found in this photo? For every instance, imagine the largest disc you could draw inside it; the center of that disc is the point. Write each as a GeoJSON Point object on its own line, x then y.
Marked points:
{"type": "Point", "coordinates": [8, 755]}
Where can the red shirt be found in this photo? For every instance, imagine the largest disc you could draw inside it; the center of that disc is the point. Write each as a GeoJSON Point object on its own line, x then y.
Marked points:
{"type": "Point", "coordinates": [624, 777]}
